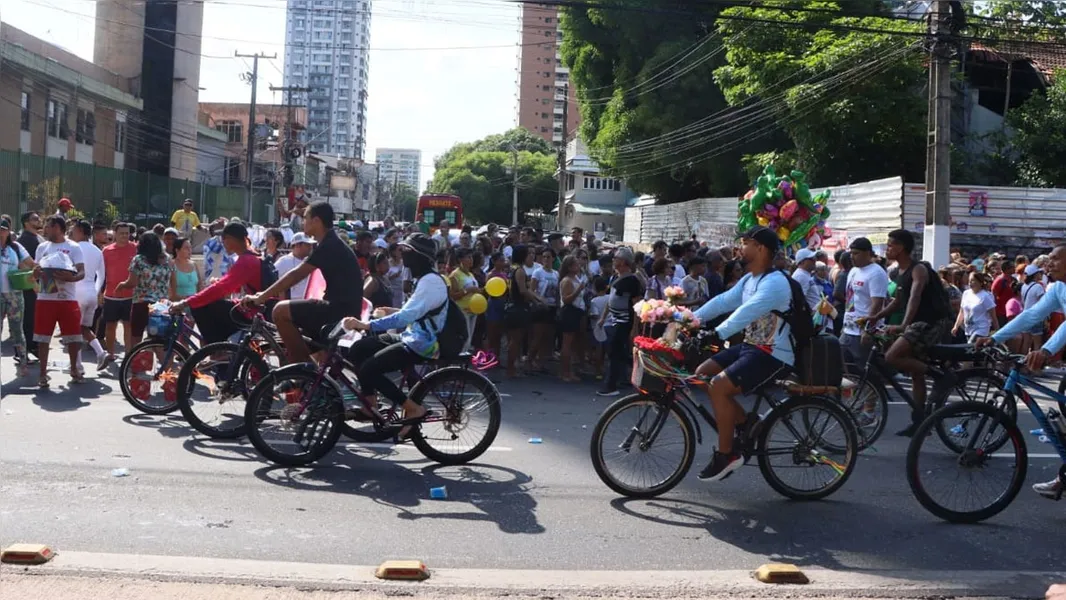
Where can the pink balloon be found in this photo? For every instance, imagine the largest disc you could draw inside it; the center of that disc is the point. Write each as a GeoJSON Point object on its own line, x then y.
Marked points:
{"type": "Point", "coordinates": [814, 240]}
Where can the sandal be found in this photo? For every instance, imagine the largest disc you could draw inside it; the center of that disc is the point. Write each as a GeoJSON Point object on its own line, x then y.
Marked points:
{"type": "Point", "coordinates": [77, 377]}
{"type": "Point", "coordinates": [43, 382]}
{"type": "Point", "coordinates": [408, 426]}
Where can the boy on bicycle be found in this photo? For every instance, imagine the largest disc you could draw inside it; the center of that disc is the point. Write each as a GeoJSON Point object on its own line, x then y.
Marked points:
{"type": "Point", "coordinates": [1054, 300]}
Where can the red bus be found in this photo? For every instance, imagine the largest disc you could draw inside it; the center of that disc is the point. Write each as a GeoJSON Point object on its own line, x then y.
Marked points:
{"type": "Point", "coordinates": [434, 208]}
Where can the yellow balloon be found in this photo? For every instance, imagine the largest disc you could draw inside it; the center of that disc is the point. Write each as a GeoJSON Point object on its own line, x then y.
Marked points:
{"type": "Point", "coordinates": [478, 304]}
{"type": "Point", "coordinates": [783, 233]}
{"type": "Point", "coordinates": [496, 287]}
{"type": "Point", "coordinates": [763, 221]}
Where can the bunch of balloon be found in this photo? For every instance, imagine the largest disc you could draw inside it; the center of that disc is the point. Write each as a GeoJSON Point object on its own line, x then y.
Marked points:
{"type": "Point", "coordinates": [785, 205]}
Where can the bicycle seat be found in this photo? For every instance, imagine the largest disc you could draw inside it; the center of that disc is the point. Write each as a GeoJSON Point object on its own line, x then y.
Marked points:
{"type": "Point", "coordinates": [952, 352]}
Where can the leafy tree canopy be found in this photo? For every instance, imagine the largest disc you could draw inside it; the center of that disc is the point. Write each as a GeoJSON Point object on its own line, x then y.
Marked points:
{"type": "Point", "coordinates": [1040, 136]}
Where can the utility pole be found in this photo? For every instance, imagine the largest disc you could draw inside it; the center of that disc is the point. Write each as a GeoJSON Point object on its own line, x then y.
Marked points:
{"type": "Point", "coordinates": [562, 156]}
{"type": "Point", "coordinates": [936, 246]}
{"type": "Point", "coordinates": [514, 186]}
{"type": "Point", "coordinates": [251, 126]}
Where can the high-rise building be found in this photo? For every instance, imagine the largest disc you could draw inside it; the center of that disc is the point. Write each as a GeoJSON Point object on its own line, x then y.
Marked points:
{"type": "Point", "coordinates": [543, 80]}
{"type": "Point", "coordinates": [326, 43]}
{"type": "Point", "coordinates": [400, 165]}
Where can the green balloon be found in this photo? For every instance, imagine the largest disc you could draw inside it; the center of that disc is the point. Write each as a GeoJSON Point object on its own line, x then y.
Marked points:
{"type": "Point", "coordinates": [800, 233]}
{"type": "Point", "coordinates": [769, 172]}
{"type": "Point", "coordinates": [799, 177]}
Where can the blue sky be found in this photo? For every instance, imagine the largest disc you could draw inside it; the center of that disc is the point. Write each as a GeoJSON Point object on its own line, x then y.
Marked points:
{"type": "Point", "coordinates": [425, 92]}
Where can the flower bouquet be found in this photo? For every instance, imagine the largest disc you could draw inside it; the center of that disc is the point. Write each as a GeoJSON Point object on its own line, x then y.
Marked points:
{"type": "Point", "coordinates": [659, 358]}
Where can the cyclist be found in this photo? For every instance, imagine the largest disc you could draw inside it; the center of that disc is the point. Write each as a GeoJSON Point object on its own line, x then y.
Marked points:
{"type": "Point", "coordinates": [422, 317]}
{"type": "Point", "coordinates": [926, 320]}
{"type": "Point", "coordinates": [1054, 300]}
{"type": "Point", "coordinates": [344, 285]}
{"type": "Point", "coordinates": [757, 301]}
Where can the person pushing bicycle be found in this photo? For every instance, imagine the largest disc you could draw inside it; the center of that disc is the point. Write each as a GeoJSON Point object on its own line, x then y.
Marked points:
{"type": "Point", "coordinates": [1054, 300]}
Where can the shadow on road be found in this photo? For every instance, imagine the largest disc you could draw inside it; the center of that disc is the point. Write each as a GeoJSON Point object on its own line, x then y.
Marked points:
{"type": "Point", "coordinates": [167, 425]}
{"type": "Point", "coordinates": [233, 450]}
{"type": "Point", "coordinates": [499, 494]}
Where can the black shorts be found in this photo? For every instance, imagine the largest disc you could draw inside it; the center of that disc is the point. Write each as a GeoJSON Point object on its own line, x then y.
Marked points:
{"type": "Point", "coordinates": [311, 316]}
{"type": "Point", "coordinates": [117, 310]}
{"type": "Point", "coordinates": [748, 367]}
{"type": "Point", "coordinates": [544, 315]}
{"type": "Point", "coordinates": [570, 319]}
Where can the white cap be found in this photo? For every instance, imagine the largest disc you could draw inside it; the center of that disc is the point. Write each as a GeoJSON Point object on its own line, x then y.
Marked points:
{"type": "Point", "coordinates": [1031, 270]}
{"type": "Point", "coordinates": [804, 254]}
{"type": "Point", "coordinates": [357, 225]}
{"type": "Point", "coordinates": [301, 238]}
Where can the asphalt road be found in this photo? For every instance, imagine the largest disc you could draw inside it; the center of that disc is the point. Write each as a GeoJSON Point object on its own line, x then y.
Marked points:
{"type": "Point", "coordinates": [522, 506]}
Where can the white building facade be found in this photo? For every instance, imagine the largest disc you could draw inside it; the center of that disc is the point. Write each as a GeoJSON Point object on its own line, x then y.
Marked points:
{"type": "Point", "coordinates": [326, 49]}
{"type": "Point", "coordinates": [402, 166]}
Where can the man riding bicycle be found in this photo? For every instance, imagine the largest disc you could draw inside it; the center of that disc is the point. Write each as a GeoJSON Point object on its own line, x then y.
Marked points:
{"type": "Point", "coordinates": [422, 317]}
{"type": "Point", "coordinates": [757, 302]}
{"type": "Point", "coordinates": [1054, 300]}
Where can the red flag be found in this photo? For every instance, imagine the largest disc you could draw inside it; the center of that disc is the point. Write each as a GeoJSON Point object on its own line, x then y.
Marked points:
{"type": "Point", "coordinates": [316, 286]}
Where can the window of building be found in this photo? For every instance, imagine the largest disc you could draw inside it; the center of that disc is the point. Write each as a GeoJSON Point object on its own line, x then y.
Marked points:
{"type": "Point", "coordinates": [548, 19]}
{"type": "Point", "coordinates": [25, 111]}
{"type": "Point", "coordinates": [85, 132]}
{"type": "Point", "coordinates": [234, 130]}
{"type": "Point", "coordinates": [231, 171]}
{"type": "Point", "coordinates": [545, 87]}
{"type": "Point", "coordinates": [58, 120]}
{"type": "Point", "coordinates": [120, 136]}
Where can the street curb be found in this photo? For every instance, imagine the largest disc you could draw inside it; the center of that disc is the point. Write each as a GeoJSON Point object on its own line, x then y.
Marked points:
{"type": "Point", "coordinates": [651, 584]}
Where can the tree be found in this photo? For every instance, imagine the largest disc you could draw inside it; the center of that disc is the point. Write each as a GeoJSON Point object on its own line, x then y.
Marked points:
{"type": "Point", "coordinates": [1040, 136]}
{"type": "Point", "coordinates": [479, 173]}
{"type": "Point", "coordinates": [642, 70]}
{"type": "Point", "coordinates": [404, 202]}
{"type": "Point", "coordinates": [847, 93]}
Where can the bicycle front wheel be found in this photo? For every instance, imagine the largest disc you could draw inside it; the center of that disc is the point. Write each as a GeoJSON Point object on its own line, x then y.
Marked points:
{"type": "Point", "coordinates": [977, 385]}
{"type": "Point", "coordinates": [291, 421]}
{"type": "Point", "coordinates": [467, 415]}
{"type": "Point", "coordinates": [976, 483]}
{"type": "Point", "coordinates": [215, 382]}
{"type": "Point", "coordinates": [811, 438]}
{"type": "Point", "coordinates": [148, 376]}
{"type": "Point", "coordinates": [649, 434]}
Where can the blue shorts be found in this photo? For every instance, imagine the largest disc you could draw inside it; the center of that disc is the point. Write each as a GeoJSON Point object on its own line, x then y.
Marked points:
{"type": "Point", "coordinates": [749, 368]}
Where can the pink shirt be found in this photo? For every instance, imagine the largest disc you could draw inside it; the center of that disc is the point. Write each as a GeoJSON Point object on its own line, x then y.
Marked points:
{"type": "Point", "coordinates": [1014, 308]}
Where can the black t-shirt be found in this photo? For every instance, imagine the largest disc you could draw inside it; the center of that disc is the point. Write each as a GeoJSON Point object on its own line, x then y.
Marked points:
{"type": "Point", "coordinates": [29, 241]}
{"type": "Point", "coordinates": [340, 269]}
{"type": "Point", "coordinates": [934, 305]}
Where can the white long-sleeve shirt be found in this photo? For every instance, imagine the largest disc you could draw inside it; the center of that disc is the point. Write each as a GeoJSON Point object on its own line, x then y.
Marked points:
{"type": "Point", "coordinates": [1054, 300]}
{"type": "Point", "coordinates": [94, 270]}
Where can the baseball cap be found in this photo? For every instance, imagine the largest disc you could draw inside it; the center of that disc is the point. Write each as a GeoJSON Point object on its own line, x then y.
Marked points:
{"type": "Point", "coordinates": [301, 238]}
{"type": "Point", "coordinates": [861, 244]}
{"type": "Point", "coordinates": [805, 254]}
{"type": "Point", "coordinates": [66, 203]}
{"type": "Point", "coordinates": [172, 231]}
{"type": "Point", "coordinates": [762, 236]}
{"type": "Point", "coordinates": [1032, 270]}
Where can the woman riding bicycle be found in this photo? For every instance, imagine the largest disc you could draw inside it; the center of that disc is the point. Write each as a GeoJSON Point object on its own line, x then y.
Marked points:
{"type": "Point", "coordinates": [422, 317]}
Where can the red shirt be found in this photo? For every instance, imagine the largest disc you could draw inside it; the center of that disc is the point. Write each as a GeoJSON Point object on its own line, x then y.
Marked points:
{"type": "Point", "coordinates": [117, 269]}
{"type": "Point", "coordinates": [243, 277]}
{"type": "Point", "coordinates": [1002, 291]}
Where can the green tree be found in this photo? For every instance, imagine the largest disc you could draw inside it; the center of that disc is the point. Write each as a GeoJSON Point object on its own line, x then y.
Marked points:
{"type": "Point", "coordinates": [1040, 136]}
{"type": "Point", "coordinates": [642, 71]}
{"type": "Point", "coordinates": [404, 202]}
{"type": "Point", "coordinates": [480, 173]}
{"type": "Point", "coordinates": [849, 97]}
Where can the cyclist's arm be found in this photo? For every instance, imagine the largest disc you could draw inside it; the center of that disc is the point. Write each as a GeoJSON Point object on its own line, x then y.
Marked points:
{"type": "Point", "coordinates": [1030, 317]}
{"type": "Point", "coordinates": [767, 298]}
{"type": "Point", "coordinates": [722, 303]}
{"type": "Point", "coordinates": [428, 296]}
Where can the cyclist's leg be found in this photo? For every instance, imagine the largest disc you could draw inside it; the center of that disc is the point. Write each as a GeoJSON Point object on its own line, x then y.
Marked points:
{"type": "Point", "coordinates": [293, 317]}
{"type": "Point", "coordinates": [390, 355]}
{"type": "Point", "coordinates": [214, 322]}
{"type": "Point", "coordinates": [726, 410]}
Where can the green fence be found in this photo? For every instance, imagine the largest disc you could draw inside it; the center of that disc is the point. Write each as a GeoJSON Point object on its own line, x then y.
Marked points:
{"type": "Point", "coordinates": [29, 182]}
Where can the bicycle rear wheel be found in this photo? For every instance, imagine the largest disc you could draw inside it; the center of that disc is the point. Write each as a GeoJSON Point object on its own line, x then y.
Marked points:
{"type": "Point", "coordinates": [467, 415]}
{"type": "Point", "coordinates": [286, 426]}
{"type": "Point", "coordinates": [643, 424]}
{"type": "Point", "coordinates": [215, 384]}
{"type": "Point", "coordinates": [148, 376]}
{"type": "Point", "coordinates": [809, 427]}
{"type": "Point", "coordinates": [975, 462]}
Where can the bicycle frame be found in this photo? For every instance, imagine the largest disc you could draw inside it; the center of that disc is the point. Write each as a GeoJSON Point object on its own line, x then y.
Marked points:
{"type": "Point", "coordinates": [182, 334]}
{"type": "Point", "coordinates": [1016, 384]}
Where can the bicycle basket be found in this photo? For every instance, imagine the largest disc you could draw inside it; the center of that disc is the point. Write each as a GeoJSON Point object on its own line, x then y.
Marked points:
{"type": "Point", "coordinates": [652, 372]}
{"type": "Point", "coordinates": [160, 325]}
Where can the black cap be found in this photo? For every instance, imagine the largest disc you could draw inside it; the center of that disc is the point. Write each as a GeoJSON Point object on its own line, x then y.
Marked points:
{"type": "Point", "coordinates": [861, 244]}
{"type": "Point", "coordinates": [421, 244]}
{"type": "Point", "coordinates": [763, 236]}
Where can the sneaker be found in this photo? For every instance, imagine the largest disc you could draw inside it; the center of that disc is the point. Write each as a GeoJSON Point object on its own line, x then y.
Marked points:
{"type": "Point", "coordinates": [865, 419]}
{"type": "Point", "coordinates": [608, 393]}
{"type": "Point", "coordinates": [1052, 490]}
{"type": "Point", "coordinates": [721, 466]}
{"type": "Point", "coordinates": [104, 361]}
{"type": "Point", "coordinates": [908, 431]}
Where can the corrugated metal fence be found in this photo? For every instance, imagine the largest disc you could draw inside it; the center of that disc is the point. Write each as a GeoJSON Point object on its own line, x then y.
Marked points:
{"type": "Point", "coordinates": [29, 182]}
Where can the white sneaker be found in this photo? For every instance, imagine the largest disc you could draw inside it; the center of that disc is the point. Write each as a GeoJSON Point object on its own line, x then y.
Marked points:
{"type": "Point", "coordinates": [1050, 489]}
{"type": "Point", "coordinates": [103, 361]}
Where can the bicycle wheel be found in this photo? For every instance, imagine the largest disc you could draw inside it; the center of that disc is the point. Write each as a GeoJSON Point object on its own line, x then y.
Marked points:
{"type": "Point", "coordinates": [645, 423]}
{"type": "Point", "coordinates": [148, 377]}
{"type": "Point", "coordinates": [461, 400]}
{"type": "Point", "coordinates": [215, 386]}
{"type": "Point", "coordinates": [286, 426]}
{"type": "Point", "coordinates": [977, 385]}
{"type": "Point", "coordinates": [360, 430]}
{"type": "Point", "coordinates": [974, 462]}
{"type": "Point", "coordinates": [808, 424]}
{"type": "Point", "coordinates": [867, 404]}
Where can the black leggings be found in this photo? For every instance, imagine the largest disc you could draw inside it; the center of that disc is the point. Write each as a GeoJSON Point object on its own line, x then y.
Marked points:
{"type": "Point", "coordinates": [376, 357]}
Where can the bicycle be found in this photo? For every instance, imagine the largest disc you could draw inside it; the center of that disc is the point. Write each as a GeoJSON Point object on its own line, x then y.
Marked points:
{"type": "Point", "coordinates": [870, 390]}
{"type": "Point", "coordinates": [668, 398]}
{"type": "Point", "coordinates": [979, 421]}
{"type": "Point", "coordinates": [308, 403]}
{"type": "Point", "coordinates": [170, 344]}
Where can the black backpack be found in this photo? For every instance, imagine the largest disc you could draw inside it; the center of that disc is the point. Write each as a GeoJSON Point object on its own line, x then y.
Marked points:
{"type": "Point", "coordinates": [799, 316]}
{"type": "Point", "coordinates": [268, 273]}
{"type": "Point", "coordinates": [451, 339]}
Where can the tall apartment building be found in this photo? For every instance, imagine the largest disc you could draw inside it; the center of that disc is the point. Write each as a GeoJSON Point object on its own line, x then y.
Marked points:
{"type": "Point", "coordinates": [326, 43]}
{"type": "Point", "coordinates": [542, 77]}
{"type": "Point", "coordinates": [400, 165]}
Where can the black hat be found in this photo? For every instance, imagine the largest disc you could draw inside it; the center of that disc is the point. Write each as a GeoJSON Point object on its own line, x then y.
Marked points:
{"type": "Point", "coordinates": [763, 237]}
{"type": "Point", "coordinates": [861, 244]}
{"type": "Point", "coordinates": [421, 244]}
